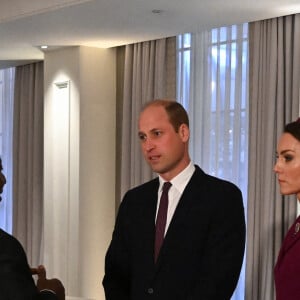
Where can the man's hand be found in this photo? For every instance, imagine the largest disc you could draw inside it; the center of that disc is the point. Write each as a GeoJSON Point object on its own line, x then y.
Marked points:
{"type": "Point", "coordinates": [54, 284]}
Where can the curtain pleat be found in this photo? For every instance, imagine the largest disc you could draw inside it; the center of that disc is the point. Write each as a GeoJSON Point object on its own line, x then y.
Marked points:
{"type": "Point", "coordinates": [274, 101]}
{"type": "Point", "coordinates": [149, 73]}
{"type": "Point", "coordinates": [28, 130]}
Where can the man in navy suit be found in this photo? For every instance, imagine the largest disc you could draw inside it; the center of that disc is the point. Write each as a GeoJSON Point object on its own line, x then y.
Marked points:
{"type": "Point", "coordinates": [203, 247]}
{"type": "Point", "coordinates": [16, 282]}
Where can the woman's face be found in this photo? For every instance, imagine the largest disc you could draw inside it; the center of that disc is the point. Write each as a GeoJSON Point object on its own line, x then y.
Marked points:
{"type": "Point", "coordinates": [287, 167]}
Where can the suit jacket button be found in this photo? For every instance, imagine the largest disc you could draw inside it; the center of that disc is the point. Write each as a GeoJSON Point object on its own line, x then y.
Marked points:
{"type": "Point", "coordinates": [150, 291]}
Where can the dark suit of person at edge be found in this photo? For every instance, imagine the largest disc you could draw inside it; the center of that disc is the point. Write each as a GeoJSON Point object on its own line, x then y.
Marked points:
{"type": "Point", "coordinates": [16, 282]}
{"type": "Point", "coordinates": [203, 248]}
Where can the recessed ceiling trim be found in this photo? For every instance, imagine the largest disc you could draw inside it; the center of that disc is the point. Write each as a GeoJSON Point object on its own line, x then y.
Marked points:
{"type": "Point", "coordinates": [17, 9]}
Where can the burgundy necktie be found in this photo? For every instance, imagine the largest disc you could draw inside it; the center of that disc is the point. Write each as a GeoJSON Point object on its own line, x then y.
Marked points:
{"type": "Point", "coordinates": [161, 219]}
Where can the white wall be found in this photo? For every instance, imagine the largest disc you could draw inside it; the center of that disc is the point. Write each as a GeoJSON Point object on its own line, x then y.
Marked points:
{"type": "Point", "coordinates": [79, 178]}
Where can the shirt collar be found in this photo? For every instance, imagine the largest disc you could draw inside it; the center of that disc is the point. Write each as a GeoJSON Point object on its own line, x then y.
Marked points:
{"type": "Point", "coordinates": [181, 180]}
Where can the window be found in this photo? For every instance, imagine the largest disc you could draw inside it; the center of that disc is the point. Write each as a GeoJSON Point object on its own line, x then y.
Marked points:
{"type": "Point", "coordinates": [6, 123]}
{"type": "Point", "coordinates": [212, 84]}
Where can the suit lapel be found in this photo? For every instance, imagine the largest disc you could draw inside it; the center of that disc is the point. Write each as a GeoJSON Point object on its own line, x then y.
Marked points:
{"type": "Point", "coordinates": [291, 238]}
{"type": "Point", "coordinates": [148, 221]}
{"type": "Point", "coordinates": [293, 235]}
{"type": "Point", "coordinates": [182, 210]}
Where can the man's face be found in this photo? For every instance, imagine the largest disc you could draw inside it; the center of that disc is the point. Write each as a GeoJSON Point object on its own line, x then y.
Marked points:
{"type": "Point", "coordinates": [2, 179]}
{"type": "Point", "coordinates": [287, 166]}
{"type": "Point", "coordinates": [165, 150]}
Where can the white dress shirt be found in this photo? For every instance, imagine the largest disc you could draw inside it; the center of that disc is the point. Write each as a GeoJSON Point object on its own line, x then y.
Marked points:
{"type": "Point", "coordinates": [179, 183]}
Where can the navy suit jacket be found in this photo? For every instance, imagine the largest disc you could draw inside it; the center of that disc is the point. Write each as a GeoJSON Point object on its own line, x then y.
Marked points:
{"type": "Point", "coordinates": [287, 268]}
{"type": "Point", "coordinates": [16, 282]}
{"type": "Point", "coordinates": [202, 253]}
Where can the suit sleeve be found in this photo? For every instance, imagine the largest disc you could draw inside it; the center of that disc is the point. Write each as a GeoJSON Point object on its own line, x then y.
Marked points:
{"type": "Point", "coordinates": [16, 282]}
{"type": "Point", "coordinates": [46, 295]}
{"type": "Point", "coordinates": [116, 281]}
{"type": "Point", "coordinates": [224, 251]}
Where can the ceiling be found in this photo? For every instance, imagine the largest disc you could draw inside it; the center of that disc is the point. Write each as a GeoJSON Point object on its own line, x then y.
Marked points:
{"type": "Point", "coordinates": [25, 25]}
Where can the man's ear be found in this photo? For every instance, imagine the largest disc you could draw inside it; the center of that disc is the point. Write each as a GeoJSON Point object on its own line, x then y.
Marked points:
{"type": "Point", "coordinates": [184, 132]}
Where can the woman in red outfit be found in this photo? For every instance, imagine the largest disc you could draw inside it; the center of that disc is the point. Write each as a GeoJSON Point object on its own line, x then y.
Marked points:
{"type": "Point", "coordinates": [287, 168]}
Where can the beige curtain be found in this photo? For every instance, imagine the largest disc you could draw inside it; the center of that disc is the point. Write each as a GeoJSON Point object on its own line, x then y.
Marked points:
{"type": "Point", "coordinates": [274, 101]}
{"type": "Point", "coordinates": [28, 159]}
{"type": "Point", "coordinates": [7, 76]}
{"type": "Point", "coordinates": [149, 72]}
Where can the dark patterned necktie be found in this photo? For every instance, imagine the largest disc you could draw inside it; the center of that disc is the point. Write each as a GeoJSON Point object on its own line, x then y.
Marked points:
{"type": "Point", "coordinates": [161, 219]}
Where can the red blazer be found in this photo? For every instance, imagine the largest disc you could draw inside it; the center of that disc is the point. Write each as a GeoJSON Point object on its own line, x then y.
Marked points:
{"type": "Point", "coordinates": [287, 269]}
